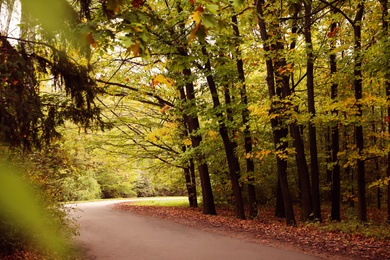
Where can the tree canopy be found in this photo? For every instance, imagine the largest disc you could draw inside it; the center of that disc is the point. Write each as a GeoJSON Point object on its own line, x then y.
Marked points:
{"type": "Point", "coordinates": [258, 102]}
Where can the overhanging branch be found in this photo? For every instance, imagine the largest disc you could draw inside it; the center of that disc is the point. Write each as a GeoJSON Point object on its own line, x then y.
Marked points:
{"type": "Point", "coordinates": [161, 102]}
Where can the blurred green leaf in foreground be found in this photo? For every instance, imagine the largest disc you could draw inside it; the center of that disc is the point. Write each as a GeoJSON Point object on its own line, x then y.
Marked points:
{"type": "Point", "coordinates": [22, 210]}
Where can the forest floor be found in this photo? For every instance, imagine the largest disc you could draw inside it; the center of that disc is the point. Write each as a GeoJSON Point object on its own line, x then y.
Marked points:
{"type": "Point", "coordinates": [315, 238]}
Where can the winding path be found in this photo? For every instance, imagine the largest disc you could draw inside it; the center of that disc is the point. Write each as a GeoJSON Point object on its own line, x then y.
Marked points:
{"type": "Point", "coordinates": [112, 234]}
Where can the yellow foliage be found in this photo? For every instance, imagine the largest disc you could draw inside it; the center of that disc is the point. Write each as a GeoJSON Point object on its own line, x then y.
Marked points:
{"type": "Point", "coordinates": [161, 79]}
{"type": "Point", "coordinates": [196, 17]}
{"type": "Point", "coordinates": [281, 155]}
{"type": "Point", "coordinates": [151, 137]}
{"type": "Point", "coordinates": [187, 141]}
{"type": "Point", "coordinates": [213, 135]}
{"type": "Point", "coordinates": [261, 154]}
{"type": "Point", "coordinates": [380, 183]}
{"type": "Point", "coordinates": [172, 125]}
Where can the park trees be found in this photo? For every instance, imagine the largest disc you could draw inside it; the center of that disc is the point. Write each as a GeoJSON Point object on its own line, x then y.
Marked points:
{"type": "Point", "coordinates": [240, 91]}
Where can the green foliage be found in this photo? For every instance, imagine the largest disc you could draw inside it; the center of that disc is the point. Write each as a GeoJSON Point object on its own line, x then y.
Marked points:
{"type": "Point", "coordinates": [20, 116]}
{"type": "Point", "coordinates": [160, 180]}
{"type": "Point", "coordinates": [169, 37]}
{"type": "Point", "coordinates": [53, 15]}
{"type": "Point", "coordinates": [143, 187]}
{"type": "Point", "coordinates": [29, 119]}
{"type": "Point", "coordinates": [114, 185]}
{"type": "Point", "coordinates": [63, 176]}
{"type": "Point", "coordinates": [357, 228]}
{"type": "Point", "coordinates": [29, 221]}
{"type": "Point", "coordinates": [84, 187]}
{"type": "Point", "coordinates": [139, 52]}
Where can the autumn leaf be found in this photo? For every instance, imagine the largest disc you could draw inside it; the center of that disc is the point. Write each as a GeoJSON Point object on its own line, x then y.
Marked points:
{"type": "Point", "coordinates": [163, 80]}
{"type": "Point", "coordinates": [90, 40]}
{"type": "Point", "coordinates": [267, 228]}
{"type": "Point", "coordinates": [332, 33]}
{"type": "Point", "coordinates": [135, 49]}
{"type": "Point", "coordinates": [165, 108]}
{"type": "Point", "coordinates": [137, 3]}
{"type": "Point", "coordinates": [187, 141]}
{"type": "Point", "coordinates": [114, 5]}
{"type": "Point", "coordinates": [200, 31]}
{"type": "Point", "coordinates": [192, 35]}
{"type": "Point", "coordinates": [196, 16]}
{"type": "Point", "coordinates": [169, 82]}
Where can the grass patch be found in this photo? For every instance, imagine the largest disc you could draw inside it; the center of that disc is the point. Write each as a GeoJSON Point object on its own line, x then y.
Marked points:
{"type": "Point", "coordinates": [176, 202]}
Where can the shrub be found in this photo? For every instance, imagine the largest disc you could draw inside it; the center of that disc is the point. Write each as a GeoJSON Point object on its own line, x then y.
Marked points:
{"type": "Point", "coordinates": [114, 185]}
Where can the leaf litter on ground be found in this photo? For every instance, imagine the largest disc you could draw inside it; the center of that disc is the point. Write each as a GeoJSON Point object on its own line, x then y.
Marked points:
{"type": "Point", "coordinates": [272, 231]}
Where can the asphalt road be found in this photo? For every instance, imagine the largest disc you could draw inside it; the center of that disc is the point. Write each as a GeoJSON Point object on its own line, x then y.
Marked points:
{"type": "Point", "coordinates": [111, 234]}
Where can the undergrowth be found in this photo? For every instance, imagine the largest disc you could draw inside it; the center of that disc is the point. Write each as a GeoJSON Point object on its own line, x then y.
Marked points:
{"type": "Point", "coordinates": [355, 227]}
{"type": "Point", "coordinates": [376, 228]}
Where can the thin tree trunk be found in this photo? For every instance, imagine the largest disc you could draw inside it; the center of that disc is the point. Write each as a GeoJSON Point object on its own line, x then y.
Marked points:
{"type": "Point", "coordinates": [315, 175]}
{"type": "Point", "coordinates": [250, 167]}
{"type": "Point", "coordinates": [10, 12]}
{"type": "Point", "coordinates": [358, 84]}
{"type": "Point", "coordinates": [190, 195]}
{"type": "Point", "coordinates": [233, 163]}
{"type": "Point", "coordinates": [193, 183]}
{"type": "Point", "coordinates": [335, 146]}
{"type": "Point", "coordinates": [385, 26]}
{"type": "Point", "coordinates": [374, 141]}
{"type": "Point", "coordinates": [190, 180]}
{"type": "Point", "coordinates": [328, 149]}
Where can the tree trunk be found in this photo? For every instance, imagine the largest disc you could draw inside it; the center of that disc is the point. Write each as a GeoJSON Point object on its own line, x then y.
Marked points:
{"type": "Point", "coordinates": [315, 175]}
{"type": "Point", "coordinates": [233, 163]}
{"type": "Point", "coordinates": [10, 11]}
{"type": "Point", "coordinates": [335, 146]}
{"type": "Point", "coordinates": [385, 26]}
{"type": "Point", "coordinates": [279, 131]}
{"type": "Point", "coordinates": [193, 127]}
{"type": "Point", "coordinates": [250, 167]}
{"type": "Point", "coordinates": [303, 174]}
{"type": "Point", "coordinates": [358, 84]}
{"type": "Point", "coordinates": [190, 181]}
{"type": "Point", "coordinates": [279, 209]}
{"type": "Point", "coordinates": [189, 186]}
{"type": "Point", "coordinates": [193, 182]}
{"type": "Point", "coordinates": [282, 77]}
{"type": "Point", "coordinates": [282, 81]}
{"type": "Point", "coordinates": [279, 135]}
